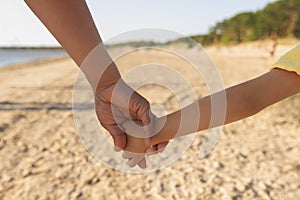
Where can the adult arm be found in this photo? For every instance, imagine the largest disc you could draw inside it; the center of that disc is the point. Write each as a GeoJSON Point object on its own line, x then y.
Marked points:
{"type": "Point", "coordinates": [71, 23]}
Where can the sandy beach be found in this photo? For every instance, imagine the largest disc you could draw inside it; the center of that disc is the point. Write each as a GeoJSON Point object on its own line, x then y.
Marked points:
{"type": "Point", "coordinates": [42, 156]}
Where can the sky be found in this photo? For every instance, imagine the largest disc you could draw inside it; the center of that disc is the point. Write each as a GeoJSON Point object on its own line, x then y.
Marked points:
{"type": "Point", "coordinates": [19, 26]}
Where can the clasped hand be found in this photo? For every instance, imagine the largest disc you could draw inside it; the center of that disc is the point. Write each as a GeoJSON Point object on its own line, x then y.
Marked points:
{"type": "Point", "coordinates": [118, 104]}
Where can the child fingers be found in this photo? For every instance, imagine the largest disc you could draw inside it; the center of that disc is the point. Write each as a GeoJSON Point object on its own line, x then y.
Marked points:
{"type": "Point", "coordinates": [162, 146]}
{"type": "Point", "coordinates": [135, 160]}
{"type": "Point", "coordinates": [143, 164]}
{"type": "Point", "coordinates": [150, 152]}
{"type": "Point", "coordinates": [126, 155]}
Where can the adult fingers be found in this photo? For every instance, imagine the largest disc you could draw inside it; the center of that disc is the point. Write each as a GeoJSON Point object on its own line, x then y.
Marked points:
{"type": "Point", "coordinates": [147, 118]}
{"type": "Point", "coordinates": [118, 136]}
{"type": "Point", "coordinates": [140, 109]}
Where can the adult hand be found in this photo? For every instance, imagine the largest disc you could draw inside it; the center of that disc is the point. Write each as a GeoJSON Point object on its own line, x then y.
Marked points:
{"type": "Point", "coordinates": [116, 103]}
{"type": "Point", "coordinates": [112, 113]}
{"type": "Point", "coordinates": [71, 23]}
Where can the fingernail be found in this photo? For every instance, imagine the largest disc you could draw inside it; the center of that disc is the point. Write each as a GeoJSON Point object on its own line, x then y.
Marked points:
{"type": "Point", "coordinates": [117, 149]}
{"type": "Point", "coordinates": [142, 166]}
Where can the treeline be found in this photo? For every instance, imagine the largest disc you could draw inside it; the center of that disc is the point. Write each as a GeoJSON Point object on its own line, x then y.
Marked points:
{"type": "Point", "coordinates": [279, 19]}
{"type": "Point", "coordinates": [136, 44]}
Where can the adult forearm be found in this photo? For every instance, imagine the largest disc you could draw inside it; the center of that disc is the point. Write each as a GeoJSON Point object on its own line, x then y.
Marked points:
{"type": "Point", "coordinates": [71, 23]}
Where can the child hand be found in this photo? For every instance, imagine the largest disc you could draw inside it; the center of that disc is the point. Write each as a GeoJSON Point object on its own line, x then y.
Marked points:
{"type": "Point", "coordinates": [134, 143]}
{"type": "Point", "coordinates": [140, 158]}
{"type": "Point", "coordinates": [136, 149]}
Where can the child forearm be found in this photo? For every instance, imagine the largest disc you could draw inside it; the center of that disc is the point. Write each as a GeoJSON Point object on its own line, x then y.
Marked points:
{"type": "Point", "coordinates": [243, 100]}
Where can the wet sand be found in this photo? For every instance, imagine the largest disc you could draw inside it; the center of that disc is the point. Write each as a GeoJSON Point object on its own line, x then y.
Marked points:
{"type": "Point", "coordinates": [42, 156]}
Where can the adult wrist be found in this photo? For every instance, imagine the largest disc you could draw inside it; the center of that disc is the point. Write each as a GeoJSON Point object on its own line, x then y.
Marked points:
{"type": "Point", "coordinates": [99, 68]}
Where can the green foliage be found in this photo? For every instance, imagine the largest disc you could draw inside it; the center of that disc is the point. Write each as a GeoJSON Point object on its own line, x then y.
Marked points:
{"type": "Point", "coordinates": [277, 20]}
{"type": "Point", "coordinates": [135, 44]}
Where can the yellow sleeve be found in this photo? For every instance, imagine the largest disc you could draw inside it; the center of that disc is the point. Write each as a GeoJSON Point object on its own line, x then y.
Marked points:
{"type": "Point", "coordinates": [289, 61]}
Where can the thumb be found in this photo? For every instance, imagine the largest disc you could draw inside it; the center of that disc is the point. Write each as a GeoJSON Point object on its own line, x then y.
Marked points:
{"type": "Point", "coordinates": [141, 109]}
{"type": "Point", "coordinates": [147, 118]}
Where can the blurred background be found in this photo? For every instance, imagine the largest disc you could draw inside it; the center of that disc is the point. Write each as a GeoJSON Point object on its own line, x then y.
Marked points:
{"type": "Point", "coordinates": [42, 155]}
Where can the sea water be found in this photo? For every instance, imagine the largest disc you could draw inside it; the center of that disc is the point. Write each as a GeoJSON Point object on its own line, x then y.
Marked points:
{"type": "Point", "coordinates": [16, 56]}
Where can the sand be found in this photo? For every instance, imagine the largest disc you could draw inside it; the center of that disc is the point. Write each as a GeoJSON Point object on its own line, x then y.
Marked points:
{"type": "Point", "coordinates": [42, 156]}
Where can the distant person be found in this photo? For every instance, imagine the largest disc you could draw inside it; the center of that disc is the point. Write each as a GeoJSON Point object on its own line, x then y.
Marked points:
{"type": "Point", "coordinates": [272, 48]}
{"type": "Point", "coordinates": [243, 100]}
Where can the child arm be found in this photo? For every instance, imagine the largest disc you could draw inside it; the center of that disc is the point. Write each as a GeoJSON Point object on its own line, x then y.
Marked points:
{"type": "Point", "coordinates": [243, 100]}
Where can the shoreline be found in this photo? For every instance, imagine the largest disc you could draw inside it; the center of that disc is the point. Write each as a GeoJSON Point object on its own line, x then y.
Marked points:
{"type": "Point", "coordinates": [34, 63]}
{"type": "Point", "coordinates": [257, 46]}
